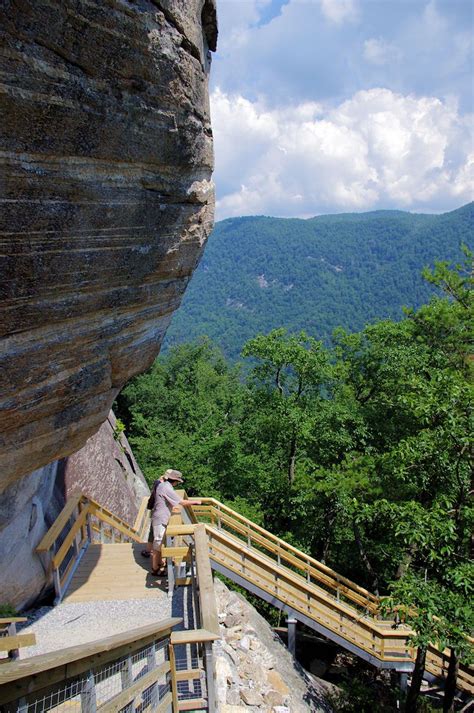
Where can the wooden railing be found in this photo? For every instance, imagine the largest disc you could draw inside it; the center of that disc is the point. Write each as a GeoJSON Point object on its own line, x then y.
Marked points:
{"type": "Point", "coordinates": [10, 641]}
{"type": "Point", "coordinates": [254, 557]}
{"type": "Point", "coordinates": [187, 549]}
{"type": "Point", "coordinates": [132, 670]}
{"type": "Point", "coordinates": [313, 571]}
{"type": "Point", "coordinates": [82, 521]}
{"type": "Point", "coordinates": [315, 593]}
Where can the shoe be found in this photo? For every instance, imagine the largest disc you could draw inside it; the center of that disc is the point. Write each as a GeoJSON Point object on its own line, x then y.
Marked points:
{"type": "Point", "coordinates": [160, 572]}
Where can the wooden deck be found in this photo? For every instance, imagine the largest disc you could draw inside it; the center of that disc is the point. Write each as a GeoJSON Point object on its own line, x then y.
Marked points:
{"type": "Point", "coordinates": [115, 571]}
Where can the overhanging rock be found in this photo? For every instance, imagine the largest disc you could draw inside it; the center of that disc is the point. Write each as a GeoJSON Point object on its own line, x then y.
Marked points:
{"type": "Point", "coordinates": [106, 162]}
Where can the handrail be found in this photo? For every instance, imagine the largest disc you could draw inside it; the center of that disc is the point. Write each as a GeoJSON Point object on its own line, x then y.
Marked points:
{"type": "Point", "coordinates": [41, 675]}
{"type": "Point", "coordinates": [207, 600]}
{"type": "Point", "coordinates": [60, 523]}
{"type": "Point", "coordinates": [311, 567]}
{"type": "Point", "coordinates": [305, 588]}
{"type": "Point", "coordinates": [383, 641]}
{"type": "Point", "coordinates": [77, 515]}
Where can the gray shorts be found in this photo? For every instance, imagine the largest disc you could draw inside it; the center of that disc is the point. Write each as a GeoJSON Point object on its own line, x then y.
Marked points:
{"type": "Point", "coordinates": [158, 533]}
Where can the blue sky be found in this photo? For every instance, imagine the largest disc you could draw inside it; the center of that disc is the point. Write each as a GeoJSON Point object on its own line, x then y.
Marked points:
{"type": "Point", "coordinates": [323, 106]}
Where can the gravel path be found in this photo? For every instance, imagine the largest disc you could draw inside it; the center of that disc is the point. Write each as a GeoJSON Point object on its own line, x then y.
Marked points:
{"type": "Point", "coordinates": [80, 622]}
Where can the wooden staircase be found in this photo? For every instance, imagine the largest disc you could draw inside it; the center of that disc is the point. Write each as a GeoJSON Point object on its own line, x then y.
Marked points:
{"type": "Point", "coordinates": [313, 594]}
{"type": "Point", "coordinates": [95, 555]}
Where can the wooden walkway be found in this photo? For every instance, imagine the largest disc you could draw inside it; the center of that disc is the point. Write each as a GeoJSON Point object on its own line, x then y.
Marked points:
{"type": "Point", "coordinates": [267, 566]}
{"type": "Point", "coordinates": [112, 571]}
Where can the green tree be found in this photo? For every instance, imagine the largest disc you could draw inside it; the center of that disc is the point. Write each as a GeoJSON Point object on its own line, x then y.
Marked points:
{"type": "Point", "coordinates": [289, 377]}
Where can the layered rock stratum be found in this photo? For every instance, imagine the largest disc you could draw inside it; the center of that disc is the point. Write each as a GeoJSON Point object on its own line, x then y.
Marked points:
{"type": "Point", "coordinates": [107, 200]}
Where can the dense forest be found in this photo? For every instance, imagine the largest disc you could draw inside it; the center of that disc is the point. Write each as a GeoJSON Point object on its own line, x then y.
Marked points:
{"type": "Point", "coordinates": [259, 273]}
{"type": "Point", "coordinates": [359, 451]}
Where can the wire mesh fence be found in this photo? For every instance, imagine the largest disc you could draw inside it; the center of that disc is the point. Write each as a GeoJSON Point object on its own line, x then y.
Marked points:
{"type": "Point", "coordinates": [133, 684]}
{"type": "Point", "coordinates": [195, 685]}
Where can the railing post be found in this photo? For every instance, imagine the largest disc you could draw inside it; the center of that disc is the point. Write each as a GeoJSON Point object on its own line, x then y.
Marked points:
{"type": "Point", "coordinates": [151, 664]}
{"type": "Point", "coordinates": [11, 631]}
{"type": "Point", "coordinates": [57, 585]}
{"type": "Point", "coordinates": [219, 523]}
{"type": "Point", "coordinates": [174, 683]}
{"type": "Point", "coordinates": [170, 569]}
{"type": "Point", "coordinates": [195, 588]}
{"type": "Point", "coordinates": [308, 571]}
{"type": "Point", "coordinates": [22, 706]}
{"type": "Point", "coordinates": [291, 628]}
{"type": "Point", "coordinates": [88, 695]}
{"type": "Point", "coordinates": [89, 527]}
{"type": "Point", "coordinates": [210, 683]}
{"type": "Point", "coordinates": [126, 678]}
{"type": "Point", "coordinates": [76, 539]}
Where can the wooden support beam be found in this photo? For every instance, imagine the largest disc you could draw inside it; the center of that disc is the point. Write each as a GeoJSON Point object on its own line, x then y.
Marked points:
{"type": "Point", "coordinates": [12, 620]}
{"type": "Point", "coordinates": [177, 530]}
{"type": "Point", "coordinates": [193, 636]}
{"type": "Point", "coordinates": [193, 704]}
{"type": "Point", "coordinates": [183, 581]}
{"type": "Point", "coordinates": [9, 643]}
{"type": "Point", "coordinates": [190, 674]}
{"type": "Point", "coordinates": [121, 699]}
{"type": "Point", "coordinates": [182, 552]}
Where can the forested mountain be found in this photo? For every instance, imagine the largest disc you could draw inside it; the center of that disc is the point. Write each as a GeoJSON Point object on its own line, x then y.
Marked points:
{"type": "Point", "coordinates": [260, 273]}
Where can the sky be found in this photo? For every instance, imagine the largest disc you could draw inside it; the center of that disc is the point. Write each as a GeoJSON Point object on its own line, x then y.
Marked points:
{"type": "Point", "coordinates": [330, 106]}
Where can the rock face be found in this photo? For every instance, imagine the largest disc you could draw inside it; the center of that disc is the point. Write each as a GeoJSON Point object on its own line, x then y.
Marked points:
{"type": "Point", "coordinates": [106, 159]}
{"type": "Point", "coordinates": [254, 670]}
{"type": "Point", "coordinates": [104, 469]}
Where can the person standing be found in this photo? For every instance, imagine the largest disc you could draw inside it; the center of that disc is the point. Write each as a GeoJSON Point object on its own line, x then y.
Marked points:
{"type": "Point", "coordinates": [166, 499]}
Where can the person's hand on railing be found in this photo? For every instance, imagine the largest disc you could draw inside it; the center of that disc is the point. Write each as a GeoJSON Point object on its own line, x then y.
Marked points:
{"type": "Point", "coordinates": [189, 502]}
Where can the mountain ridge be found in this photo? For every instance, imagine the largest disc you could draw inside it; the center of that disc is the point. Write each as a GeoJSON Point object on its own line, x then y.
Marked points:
{"type": "Point", "coordinates": [260, 272]}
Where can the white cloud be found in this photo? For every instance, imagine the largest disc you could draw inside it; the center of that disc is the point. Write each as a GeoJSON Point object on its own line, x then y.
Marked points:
{"type": "Point", "coordinates": [339, 11]}
{"type": "Point", "coordinates": [380, 52]}
{"type": "Point", "coordinates": [378, 149]}
{"type": "Point", "coordinates": [236, 18]}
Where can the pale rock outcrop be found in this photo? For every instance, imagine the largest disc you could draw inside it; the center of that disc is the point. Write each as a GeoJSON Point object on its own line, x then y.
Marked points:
{"type": "Point", "coordinates": [254, 670]}
{"type": "Point", "coordinates": [105, 469]}
{"type": "Point", "coordinates": [107, 201]}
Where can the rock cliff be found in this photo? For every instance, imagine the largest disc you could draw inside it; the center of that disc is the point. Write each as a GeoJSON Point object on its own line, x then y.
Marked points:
{"type": "Point", "coordinates": [106, 159]}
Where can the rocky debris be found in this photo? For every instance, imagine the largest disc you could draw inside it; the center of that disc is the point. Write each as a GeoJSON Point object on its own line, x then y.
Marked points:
{"type": "Point", "coordinates": [106, 166]}
{"type": "Point", "coordinates": [254, 670]}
